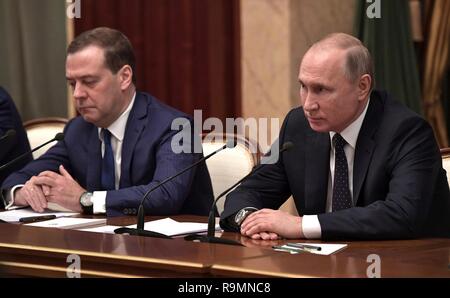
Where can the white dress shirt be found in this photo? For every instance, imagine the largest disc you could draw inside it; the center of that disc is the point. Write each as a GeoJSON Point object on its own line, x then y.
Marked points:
{"type": "Point", "coordinates": [117, 130]}
{"type": "Point", "coordinates": [310, 223]}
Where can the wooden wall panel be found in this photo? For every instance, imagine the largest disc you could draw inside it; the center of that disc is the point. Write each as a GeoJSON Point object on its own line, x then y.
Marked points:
{"type": "Point", "coordinates": [187, 51]}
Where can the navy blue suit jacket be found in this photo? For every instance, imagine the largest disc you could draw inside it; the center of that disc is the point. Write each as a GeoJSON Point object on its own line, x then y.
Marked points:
{"type": "Point", "coordinates": [147, 158]}
{"type": "Point", "coordinates": [12, 147]}
{"type": "Point", "coordinates": [399, 185]}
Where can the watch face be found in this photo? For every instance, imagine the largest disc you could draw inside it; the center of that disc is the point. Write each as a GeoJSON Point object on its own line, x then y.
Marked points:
{"type": "Point", "coordinates": [86, 200]}
{"type": "Point", "coordinates": [243, 213]}
{"type": "Point", "coordinates": [240, 216]}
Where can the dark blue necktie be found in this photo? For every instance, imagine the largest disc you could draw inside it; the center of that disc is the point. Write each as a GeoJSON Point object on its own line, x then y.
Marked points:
{"type": "Point", "coordinates": [108, 175]}
{"type": "Point", "coordinates": [341, 191]}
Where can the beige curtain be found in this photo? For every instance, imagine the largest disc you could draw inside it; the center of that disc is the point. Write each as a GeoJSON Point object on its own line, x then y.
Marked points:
{"type": "Point", "coordinates": [436, 62]}
{"type": "Point", "coordinates": [32, 56]}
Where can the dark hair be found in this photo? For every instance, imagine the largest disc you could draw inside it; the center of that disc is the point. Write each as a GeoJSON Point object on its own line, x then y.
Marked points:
{"type": "Point", "coordinates": [117, 48]}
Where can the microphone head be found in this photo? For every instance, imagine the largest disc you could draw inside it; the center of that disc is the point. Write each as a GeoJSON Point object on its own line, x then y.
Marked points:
{"type": "Point", "coordinates": [10, 133]}
{"type": "Point", "coordinates": [287, 146]}
{"type": "Point", "coordinates": [231, 144]}
{"type": "Point", "coordinates": [59, 136]}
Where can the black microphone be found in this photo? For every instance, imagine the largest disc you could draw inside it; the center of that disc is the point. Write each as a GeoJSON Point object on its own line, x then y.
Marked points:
{"type": "Point", "coordinates": [139, 231]}
{"type": "Point", "coordinates": [58, 137]}
{"type": "Point", "coordinates": [10, 133]}
{"type": "Point", "coordinates": [210, 238]}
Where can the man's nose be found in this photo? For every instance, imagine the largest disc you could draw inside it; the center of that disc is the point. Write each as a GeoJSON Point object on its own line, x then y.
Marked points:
{"type": "Point", "coordinates": [78, 92]}
{"type": "Point", "coordinates": [310, 104]}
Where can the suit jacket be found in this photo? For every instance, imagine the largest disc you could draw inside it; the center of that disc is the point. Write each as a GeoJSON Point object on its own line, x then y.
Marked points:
{"type": "Point", "coordinates": [147, 158]}
{"type": "Point", "coordinates": [12, 147]}
{"type": "Point", "coordinates": [399, 185]}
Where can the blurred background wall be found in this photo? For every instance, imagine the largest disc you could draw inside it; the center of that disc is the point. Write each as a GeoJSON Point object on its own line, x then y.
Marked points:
{"type": "Point", "coordinates": [32, 56]}
{"type": "Point", "coordinates": [274, 37]}
{"type": "Point", "coordinates": [229, 58]}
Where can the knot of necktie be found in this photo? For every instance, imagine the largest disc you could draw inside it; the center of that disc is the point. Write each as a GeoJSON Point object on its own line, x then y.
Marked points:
{"type": "Point", "coordinates": [339, 141]}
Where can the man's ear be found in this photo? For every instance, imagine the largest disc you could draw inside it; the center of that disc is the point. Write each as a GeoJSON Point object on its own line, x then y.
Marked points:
{"type": "Point", "coordinates": [125, 77]}
{"type": "Point", "coordinates": [364, 85]}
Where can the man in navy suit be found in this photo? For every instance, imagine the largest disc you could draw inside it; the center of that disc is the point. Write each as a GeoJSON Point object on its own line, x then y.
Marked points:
{"type": "Point", "coordinates": [119, 148]}
{"type": "Point", "coordinates": [15, 145]}
{"type": "Point", "coordinates": [363, 166]}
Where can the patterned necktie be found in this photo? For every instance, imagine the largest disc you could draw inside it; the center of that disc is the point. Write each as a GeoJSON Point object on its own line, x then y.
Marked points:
{"type": "Point", "coordinates": [108, 175]}
{"type": "Point", "coordinates": [341, 192]}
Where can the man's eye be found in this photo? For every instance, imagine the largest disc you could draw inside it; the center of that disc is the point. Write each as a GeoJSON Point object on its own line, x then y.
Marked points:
{"type": "Point", "coordinates": [319, 89]}
{"type": "Point", "coordinates": [89, 83]}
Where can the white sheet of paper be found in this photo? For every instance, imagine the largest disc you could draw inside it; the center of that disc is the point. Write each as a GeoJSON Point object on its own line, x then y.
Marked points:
{"type": "Point", "coordinates": [17, 214]}
{"type": "Point", "coordinates": [170, 227]}
{"type": "Point", "coordinates": [102, 229]}
{"type": "Point", "coordinates": [69, 223]}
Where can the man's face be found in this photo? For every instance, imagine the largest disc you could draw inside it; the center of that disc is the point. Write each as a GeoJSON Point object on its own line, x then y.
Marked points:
{"type": "Point", "coordinates": [330, 101]}
{"type": "Point", "coordinates": [98, 93]}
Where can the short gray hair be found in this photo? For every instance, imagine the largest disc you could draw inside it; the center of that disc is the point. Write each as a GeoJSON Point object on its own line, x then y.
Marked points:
{"type": "Point", "coordinates": [359, 61]}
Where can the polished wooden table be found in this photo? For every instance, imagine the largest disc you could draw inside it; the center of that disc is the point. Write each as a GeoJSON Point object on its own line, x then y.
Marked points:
{"type": "Point", "coordinates": [31, 251]}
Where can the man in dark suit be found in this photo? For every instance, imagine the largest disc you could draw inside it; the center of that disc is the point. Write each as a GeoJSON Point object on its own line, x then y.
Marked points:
{"type": "Point", "coordinates": [14, 145]}
{"type": "Point", "coordinates": [119, 148]}
{"type": "Point", "coordinates": [363, 166]}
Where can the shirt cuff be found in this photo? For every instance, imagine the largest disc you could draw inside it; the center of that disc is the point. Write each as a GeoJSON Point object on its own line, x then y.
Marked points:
{"type": "Point", "coordinates": [99, 200]}
{"type": "Point", "coordinates": [311, 227]}
{"type": "Point", "coordinates": [9, 200]}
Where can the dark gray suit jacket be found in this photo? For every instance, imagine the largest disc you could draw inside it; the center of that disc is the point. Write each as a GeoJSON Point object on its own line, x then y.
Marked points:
{"type": "Point", "coordinates": [399, 185]}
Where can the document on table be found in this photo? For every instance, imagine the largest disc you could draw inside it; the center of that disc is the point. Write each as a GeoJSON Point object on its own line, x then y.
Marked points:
{"type": "Point", "coordinates": [69, 223]}
{"type": "Point", "coordinates": [170, 227]}
{"type": "Point", "coordinates": [17, 214]}
{"type": "Point", "coordinates": [102, 229]}
{"type": "Point", "coordinates": [323, 249]}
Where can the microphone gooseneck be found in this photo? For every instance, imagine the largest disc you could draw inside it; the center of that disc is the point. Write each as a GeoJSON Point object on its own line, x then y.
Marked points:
{"type": "Point", "coordinates": [58, 137]}
{"type": "Point", "coordinates": [10, 133]}
{"type": "Point", "coordinates": [211, 218]}
{"type": "Point", "coordinates": [141, 211]}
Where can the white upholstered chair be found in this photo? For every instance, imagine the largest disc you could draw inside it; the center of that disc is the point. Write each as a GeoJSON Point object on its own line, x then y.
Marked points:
{"type": "Point", "coordinates": [229, 165]}
{"type": "Point", "coordinates": [445, 153]}
{"type": "Point", "coordinates": [42, 130]}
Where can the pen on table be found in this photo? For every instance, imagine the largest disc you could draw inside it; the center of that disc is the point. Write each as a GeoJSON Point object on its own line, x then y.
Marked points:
{"type": "Point", "coordinates": [36, 218]}
{"type": "Point", "coordinates": [304, 246]}
{"type": "Point", "coordinates": [287, 249]}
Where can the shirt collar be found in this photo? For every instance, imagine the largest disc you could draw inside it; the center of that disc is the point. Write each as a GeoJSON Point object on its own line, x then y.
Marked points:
{"type": "Point", "coordinates": [351, 132]}
{"type": "Point", "coordinates": [117, 128]}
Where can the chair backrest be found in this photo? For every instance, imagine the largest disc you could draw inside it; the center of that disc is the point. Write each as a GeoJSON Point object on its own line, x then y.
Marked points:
{"type": "Point", "coordinates": [42, 130]}
{"type": "Point", "coordinates": [445, 153]}
{"type": "Point", "coordinates": [229, 165]}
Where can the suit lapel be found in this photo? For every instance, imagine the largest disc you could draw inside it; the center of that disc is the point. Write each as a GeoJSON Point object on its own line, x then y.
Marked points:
{"type": "Point", "coordinates": [93, 175]}
{"type": "Point", "coordinates": [317, 160]}
{"type": "Point", "coordinates": [365, 145]}
{"type": "Point", "coordinates": [135, 125]}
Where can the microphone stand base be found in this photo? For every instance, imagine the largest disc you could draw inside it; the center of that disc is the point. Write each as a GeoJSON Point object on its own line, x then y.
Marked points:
{"type": "Point", "coordinates": [209, 239]}
{"type": "Point", "coordinates": [144, 233]}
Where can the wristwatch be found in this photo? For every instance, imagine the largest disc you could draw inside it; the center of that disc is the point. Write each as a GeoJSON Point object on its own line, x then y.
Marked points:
{"type": "Point", "coordinates": [86, 202]}
{"type": "Point", "coordinates": [242, 214]}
